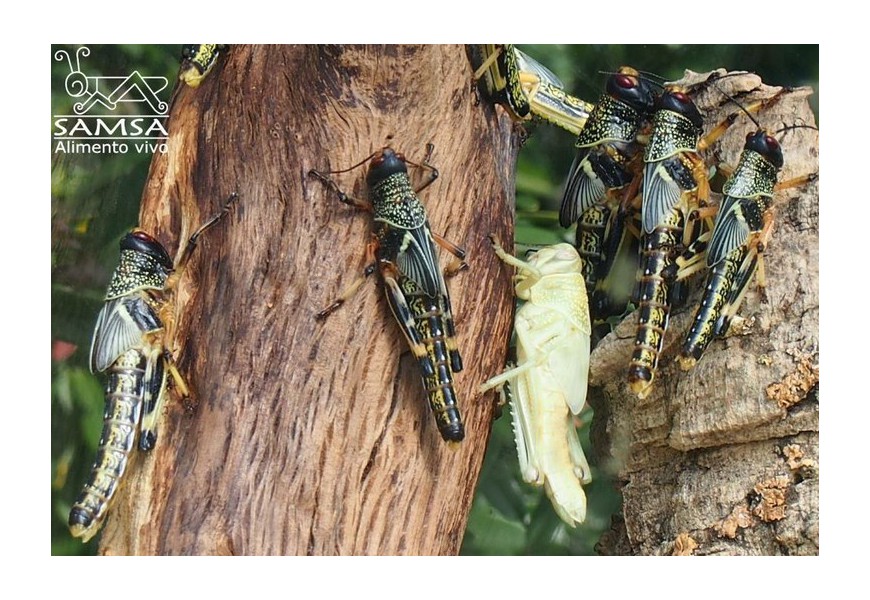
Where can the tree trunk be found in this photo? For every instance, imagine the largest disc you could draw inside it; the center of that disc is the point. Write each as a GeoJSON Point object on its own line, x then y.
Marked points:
{"type": "Point", "coordinates": [303, 437]}
{"type": "Point", "coordinates": [723, 459]}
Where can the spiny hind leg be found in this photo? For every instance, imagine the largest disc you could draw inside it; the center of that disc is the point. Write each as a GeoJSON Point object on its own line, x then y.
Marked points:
{"type": "Point", "coordinates": [575, 451]}
{"type": "Point", "coordinates": [690, 261]}
{"type": "Point", "coordinates": [405, 317]}
{"type": "Point", "coordinates": [760, 246]}
{"type": "Point", "coordinates": [752, 265]}
{"type": "Point", "coordinates": [159, 366]}
{"type": "Point", "coordinates": [486, 64]}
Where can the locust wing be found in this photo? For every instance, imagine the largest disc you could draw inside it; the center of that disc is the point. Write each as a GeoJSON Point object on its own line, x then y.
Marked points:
{"type": "Point", "coordinates": [120, 325]}
{"type": "Point", "coordinates": [729, 232]}
{"type": "Point", "coordinates": [418, 261]}
{"type": "Point", "coordinates": [661, 194]}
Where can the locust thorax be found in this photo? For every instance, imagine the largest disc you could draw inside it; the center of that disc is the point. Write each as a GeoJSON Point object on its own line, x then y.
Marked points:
{"type": "Point", "coordinates": [144, 264]}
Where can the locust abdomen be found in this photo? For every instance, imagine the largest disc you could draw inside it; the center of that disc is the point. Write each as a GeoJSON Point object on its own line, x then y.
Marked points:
{"type": "Point", "coordinates": [709, 316]}
{"type": "Point", "coordinates": [441, 360]}
{"type": "Point", "coordinates": [591, 232]}
{"type": "Point", "coordinates": [654, 303]}
{"type": "Point", "coordinates": [124, 393]}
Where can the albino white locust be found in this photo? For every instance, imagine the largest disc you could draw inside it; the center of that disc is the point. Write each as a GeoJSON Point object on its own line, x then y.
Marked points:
{"type": "Point", "coordinates": [549, 382]}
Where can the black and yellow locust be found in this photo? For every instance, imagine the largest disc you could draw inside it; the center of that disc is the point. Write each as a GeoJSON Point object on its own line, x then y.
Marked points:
{"type": "Point", "coordinates": [402, 249]}
{"type": "Point", "coordinates": [675, 185]}
{"type": "Point", "coordinates": [131, 343]}
{"type": "Point", "coordinates": [606, 169]}
{"type": "Point", "coordinates": [733, 252]}
{"type": "Point", "coordinates": [526, 88]}
{"type": "Point", "coordinates": [197, 61]}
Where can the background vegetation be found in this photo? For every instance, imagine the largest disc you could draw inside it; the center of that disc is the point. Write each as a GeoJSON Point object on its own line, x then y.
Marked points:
{"type": "Point", "coordinates": [95, 200]}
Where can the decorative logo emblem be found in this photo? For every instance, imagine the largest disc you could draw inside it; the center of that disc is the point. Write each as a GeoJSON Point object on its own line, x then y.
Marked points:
{"type": "Point", "coordinates": [111, 114]}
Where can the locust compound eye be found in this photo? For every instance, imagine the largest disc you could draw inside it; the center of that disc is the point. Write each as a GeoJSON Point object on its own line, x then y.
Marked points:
{"type": "Point", "coordinates": [141, 235]}
{"type": "Point", "coordinates": [188, 51]}
{"type": "Point", "coordinates": [625, 81]}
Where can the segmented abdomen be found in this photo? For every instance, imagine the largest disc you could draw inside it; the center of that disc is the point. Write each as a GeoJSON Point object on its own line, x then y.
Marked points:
{"type": "Point", "coordinates": [717, 290]}
{"type": "Point", "coordinates": [654, 302]}
{"type": "Point", "coordinates": [591, 231]}
{"type": "Point", "coordinates": [433, 321]}
{"type": "Point", "coordinates": [124, 394]}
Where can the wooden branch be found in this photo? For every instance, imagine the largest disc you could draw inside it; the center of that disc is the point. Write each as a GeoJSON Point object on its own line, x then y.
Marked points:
{"type": "Point", "coordinates": [720, 459]}
{"type": "Point", "coordinates": [307, 437]}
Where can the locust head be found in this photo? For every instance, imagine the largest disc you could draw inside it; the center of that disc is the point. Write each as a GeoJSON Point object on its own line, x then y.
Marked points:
{"type": "Point", "coordinates": [765, 145]}
{"type": "Point", "coordinates": [197, 60]}
{"type": "Point", "coordinates": [678, 101]}
{"type": "Point", "coordinates": [560, 259]}
{"type": "Point", "coordinates": [627, 86]}
{"type": "Point", "coordinates": [552, 260]}
{"type": "Point", "coordinates": [142, 242]}
{"type": "Point", "coordinates": [385, 163]}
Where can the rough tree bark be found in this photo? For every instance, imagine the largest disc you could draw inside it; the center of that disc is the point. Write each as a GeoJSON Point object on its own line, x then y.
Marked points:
{"type": "Point", "coordinates": [310, 438]}
{"type": "Point", "coordinates": [724, 459]}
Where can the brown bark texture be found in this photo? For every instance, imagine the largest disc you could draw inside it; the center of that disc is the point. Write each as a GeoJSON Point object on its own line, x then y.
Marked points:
{"type": "Point", "coordinates": [723, 459]}
{"type": "Point", "coordinates": [302, 437]}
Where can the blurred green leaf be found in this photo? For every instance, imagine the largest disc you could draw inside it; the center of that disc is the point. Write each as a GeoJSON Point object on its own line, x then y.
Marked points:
{"type": "Point", "coordinates": [490, 530]}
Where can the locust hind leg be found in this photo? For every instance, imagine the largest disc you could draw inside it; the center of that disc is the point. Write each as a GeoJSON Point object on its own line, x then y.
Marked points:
{"type": "Point", "coordinates": [486, 64]}
{"type": "Point", "coordinates": [159, 367]}
{"type": "Point", "coordinates": [405, 318]}
{"type": "Point", "coordinates": [690, 261]}
{"type": "Point", "coordinates": [752, 264]}
{"type": "Point", "coordinates": [457, 265]}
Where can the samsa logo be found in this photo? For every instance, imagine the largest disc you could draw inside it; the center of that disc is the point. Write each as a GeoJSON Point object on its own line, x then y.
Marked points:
{"type": "Point", "coordinates": [111, 114]}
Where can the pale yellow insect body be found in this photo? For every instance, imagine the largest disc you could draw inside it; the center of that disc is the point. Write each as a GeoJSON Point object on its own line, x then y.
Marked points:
{"type": "Point", "coordinates": [553, 341]}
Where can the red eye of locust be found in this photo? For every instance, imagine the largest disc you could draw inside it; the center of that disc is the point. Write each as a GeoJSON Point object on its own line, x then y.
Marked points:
{"type": "Point", "coordinates": [378, 160]}
{"type": "Point", "coordinates": [771, 142]}
{"type": "Point", "coordinates": [143, 236]}
{"type": "Point", "coordinates": [681, 97]}
{"type": "Point", "coordinates": [625, 81]}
